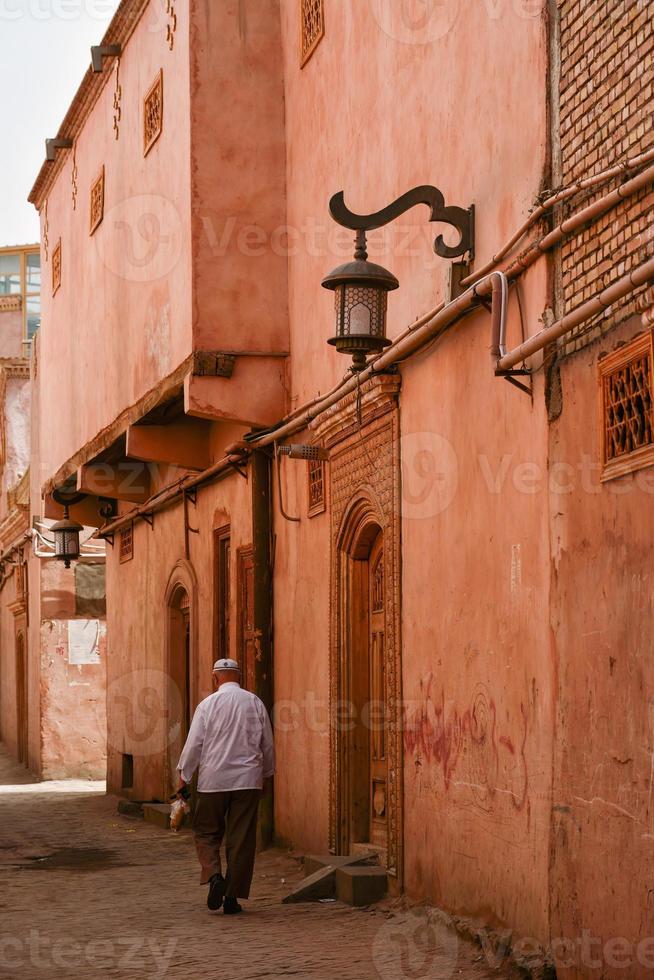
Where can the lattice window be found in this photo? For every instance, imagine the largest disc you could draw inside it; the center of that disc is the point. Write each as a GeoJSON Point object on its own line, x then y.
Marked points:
{"type": "Point", "coordinates": [56, 267]}
{"type": "Point", "coordinates": [153, 114]}
{"type": "Point", "coordinates": [126, 544]}
{"type": "Point", "coordinates": [312, 27]}
{"type": "Point", "coordinates": [20, 581]}
{"type": "Point", "coordinates": [97, 202]}
{"type": "Point", "coordinates": [627, 385]}
{"type": "Point", "coordinates": [316, 482]}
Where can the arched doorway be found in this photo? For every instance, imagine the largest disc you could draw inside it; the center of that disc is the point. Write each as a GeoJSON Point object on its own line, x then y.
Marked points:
{"type": "Point", "coordinates": [179, 672]}
{"type": "Point", "coordinates": [362, 683]}
{"type": "Point", "coordinates": [21, 699]}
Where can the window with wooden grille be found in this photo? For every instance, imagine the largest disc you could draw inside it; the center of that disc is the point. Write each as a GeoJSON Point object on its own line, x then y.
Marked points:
{"type": "Point", "coordinates": [627, 423]}
{"type": "Point", "coordinates": [97, 202]}
{"type": "Point", "coordinates": [153, 114]}
{"type": "Point", "coordinates": [316, 481]}
{"type": "Point", "coordinates": [126, 550]}
{"type": "Point", "coordinates": [312, 28]}
{"type": "Point", "coordinates": [56, 267]}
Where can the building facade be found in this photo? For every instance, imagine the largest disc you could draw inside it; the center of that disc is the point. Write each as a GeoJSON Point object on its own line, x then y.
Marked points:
{"type": "Point", "coordinates": [52, 622]}
{"type": "Point", "coordinates": [447, 611]}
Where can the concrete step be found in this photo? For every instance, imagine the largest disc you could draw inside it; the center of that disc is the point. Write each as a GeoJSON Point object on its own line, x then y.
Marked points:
{"type": "Point", "coordinates": [158, 814]}
{"type": "Point", "coordinates": [356, 885]}
{"type": "Point", "coordinates": [316, 886]}
{"type": "Point", "coordinates": [322, 877]}
{"type": "Point", "coordinates": [130, 808]}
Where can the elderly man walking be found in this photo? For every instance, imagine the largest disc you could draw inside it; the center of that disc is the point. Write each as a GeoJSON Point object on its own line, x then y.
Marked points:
{"type": "Point", "coordinates": [231, 742]}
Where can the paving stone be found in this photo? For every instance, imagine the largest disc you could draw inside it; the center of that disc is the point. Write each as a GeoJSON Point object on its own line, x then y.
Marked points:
{"type": "Point", "coordinates": [140, 913]}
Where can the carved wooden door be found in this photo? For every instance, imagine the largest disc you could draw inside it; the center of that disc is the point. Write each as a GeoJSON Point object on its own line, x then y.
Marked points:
{"type": "Point", "coordinates": [246, 632]}
{"type": "Point", "coordinates": [377, 712]}
{"type": "Point", "coordinates": [21, 697]}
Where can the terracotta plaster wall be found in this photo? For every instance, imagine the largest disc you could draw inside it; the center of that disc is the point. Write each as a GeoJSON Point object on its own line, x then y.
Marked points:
{"type": "Point", "coordinates": [458, 102]}
{"type": "Point", "coordinates": [137, 626]}
{"type": "Point", "coordinates": [475, 617]}
{"type": "Point", "coordinates": [73, 712]}
{"type": "Point", "coordinates": [11, 333]}
{"type": "Point", "coordinates": [477, 671]}
{"type": "Point", "coordinates": [238, 176]}
{"type": "Point", "coordinates": [602, 570]}
{"type": "Point", "coordinates": [121, 319]}
{"type": "Point", "coordinates": [17, 410]}
{"type": "Point", "coordinates": [8, 705]}
{"type": "Point", "coordinates": [301, 616]}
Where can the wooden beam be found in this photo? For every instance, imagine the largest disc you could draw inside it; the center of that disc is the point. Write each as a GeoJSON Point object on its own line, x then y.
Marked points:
{"type": "Point", "coordinates": [254, 395]}
{"type": "Point", "coordinates": [185, 444]}
{"type": "Point", "coordinates": [128, 480]}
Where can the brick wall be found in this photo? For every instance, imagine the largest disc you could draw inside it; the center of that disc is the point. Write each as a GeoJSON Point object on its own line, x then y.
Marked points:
{"type": "Point", "coordinates": [606, 111]}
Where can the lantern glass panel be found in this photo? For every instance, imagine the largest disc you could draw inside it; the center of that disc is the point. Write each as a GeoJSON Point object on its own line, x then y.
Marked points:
{"type": "Point", "coordinates": [362, 311]}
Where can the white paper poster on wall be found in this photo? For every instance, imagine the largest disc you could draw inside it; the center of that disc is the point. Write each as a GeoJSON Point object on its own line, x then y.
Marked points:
{"type": "Point", "coordinates": [84, 637]}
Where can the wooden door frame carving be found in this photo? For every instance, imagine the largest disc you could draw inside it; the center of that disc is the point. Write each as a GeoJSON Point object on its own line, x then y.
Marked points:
{"type": "Point", "coordinates": [182, 578]}
{"type": "Point", "coordinates": [362, 432]}
{"type": "Point", "coordinates": [22, 695]}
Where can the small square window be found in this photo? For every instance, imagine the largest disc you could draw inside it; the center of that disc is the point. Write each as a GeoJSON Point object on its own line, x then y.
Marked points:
{"type": "Point", "coordinates": [312, 28]}
{"type": "Point", "coordinates": [97, 202]}
{"type": "Point", "coordinates": [626, 411]}
{"type": "Point", "coordinates": [316, 477]}
{"type": "Point", "coordinates": [153, 114]}
{"type": "Point", "coordinates": [56, 267]}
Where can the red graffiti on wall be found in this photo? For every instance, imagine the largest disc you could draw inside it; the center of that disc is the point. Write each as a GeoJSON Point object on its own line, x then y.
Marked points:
{"type": "Point", "coordinates": [468, 745]}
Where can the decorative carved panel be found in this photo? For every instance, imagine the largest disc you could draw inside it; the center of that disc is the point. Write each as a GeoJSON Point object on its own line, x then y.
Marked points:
{"type": "Point", "coordinates": [118, 96]}
{"type": "Point", "coordinates": [626, 409]}
{"type": "Point", "coordinates": [56, 267]}
{"type": "Point", "coordinates": [97, 202]}
{"type": "Point", "coordinates": [312, 27]}
{"type": "Point", "coordinates": [171, 26]}
{"type": "Point", "coordinates": [8, 304]}
{"type": "Point", "coordinates": [46, 227]}
{"type": "Point", "coordinates": [73, 177]}
{"type": "Point", "coordinates": [153, 114]}
{"type": "Point", "coordinates": [362, 432]}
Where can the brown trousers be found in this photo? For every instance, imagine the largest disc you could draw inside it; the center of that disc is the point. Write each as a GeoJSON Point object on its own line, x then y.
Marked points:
{"type": "Point", "coordinates": [232, 816]}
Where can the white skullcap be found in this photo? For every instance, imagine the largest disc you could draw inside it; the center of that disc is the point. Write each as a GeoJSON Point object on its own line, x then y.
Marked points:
{"type": "Point", "coordinates": [225, 665]}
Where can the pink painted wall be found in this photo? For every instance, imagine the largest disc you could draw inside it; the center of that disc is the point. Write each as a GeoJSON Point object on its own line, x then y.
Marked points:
{"type": "Point", "coordinates": [121, 319]}
{"type": "Point", "coordinates": [17, 433]}
{"type": "Point", "coordinates": [238, 176]}
{"type": "Point", "coordinates": [602, 568]}
{"type": "Point", "coordinates": [137, 624]}
{"type": "Point", "coordinates": [11, 333]}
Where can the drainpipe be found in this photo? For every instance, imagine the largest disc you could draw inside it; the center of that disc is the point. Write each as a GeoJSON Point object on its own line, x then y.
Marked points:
{"type": "Point", "coordinates": [617, 290]}
{"type": "Point", "coordinates": [263, 605]}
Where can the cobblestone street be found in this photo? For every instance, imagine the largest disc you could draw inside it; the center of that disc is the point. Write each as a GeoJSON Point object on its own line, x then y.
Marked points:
{"type": "Point", "coordinates": [86, 892]}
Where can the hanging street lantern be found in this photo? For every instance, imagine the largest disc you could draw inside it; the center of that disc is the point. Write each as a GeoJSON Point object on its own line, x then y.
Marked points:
{"type": "Point", "coordinates": [361, 296]}
{"type": "Point", "coordinates": [66, 539]}
{"type": "Point", "coordinates": [361, 288]}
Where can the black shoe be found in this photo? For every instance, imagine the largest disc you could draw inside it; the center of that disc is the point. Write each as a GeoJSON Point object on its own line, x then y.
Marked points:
{"type": "Point", "coordinates": [231, 907]}
{"type": "Point", "coordinates": [216, 892]}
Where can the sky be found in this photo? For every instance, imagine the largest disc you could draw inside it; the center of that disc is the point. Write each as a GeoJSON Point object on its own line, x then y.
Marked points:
{"type": "Point", "coordinates": [44, 52]}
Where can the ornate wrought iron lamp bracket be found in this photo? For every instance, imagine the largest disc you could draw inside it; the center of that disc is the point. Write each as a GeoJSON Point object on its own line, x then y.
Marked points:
{"type": "Point", "coordinates": [463, 219]}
